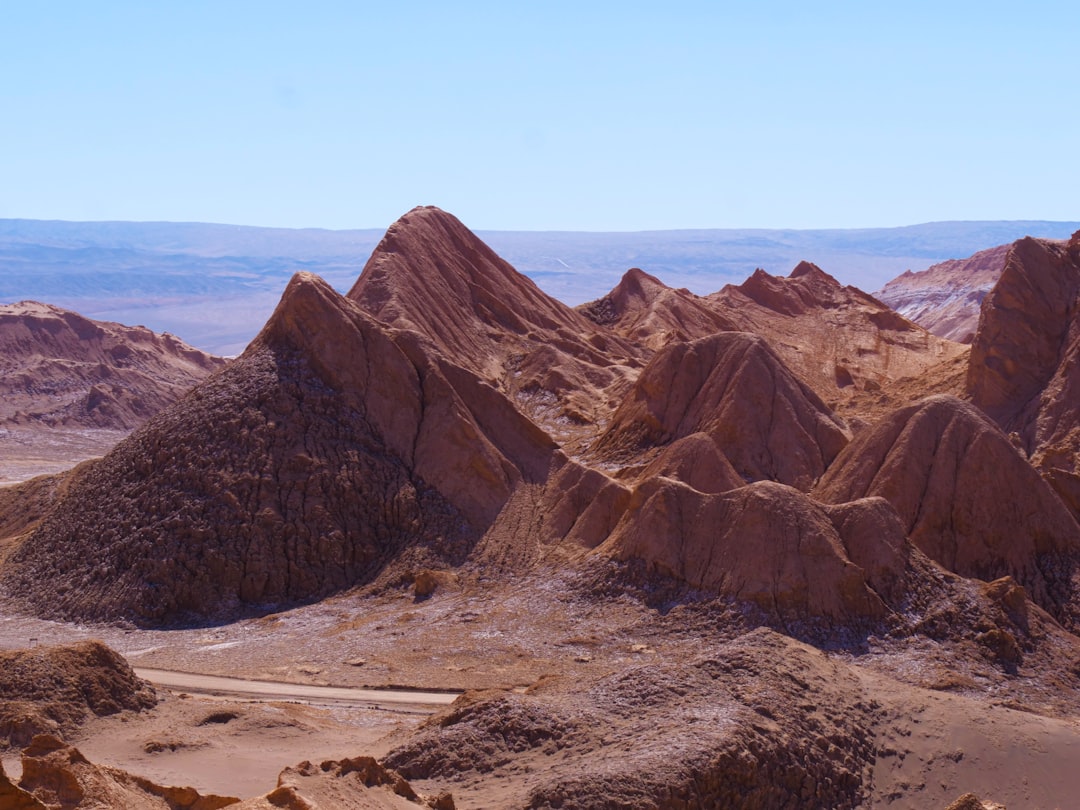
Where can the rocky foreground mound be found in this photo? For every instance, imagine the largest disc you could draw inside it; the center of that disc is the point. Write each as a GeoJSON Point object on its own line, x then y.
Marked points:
{"type": "Point", "coordinates": [54, 690]}
{"type": "Point", "coordinates": [59, 369]}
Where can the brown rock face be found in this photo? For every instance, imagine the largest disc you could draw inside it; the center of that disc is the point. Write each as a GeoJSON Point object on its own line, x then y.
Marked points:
{"type": "Point", "coordinates": [56, 689]}
{"type": "Point", "coordinates": [765, 543]}
{"type": "Point", "coordinates": [360, 783]}
{"type": "Point", "coordinates": [13, 797]}
{"type": "Point", "coordinates": [1026, 355]}
{"type": "Point", "coordinates": [58, 775]}
{"type": "Point", "coordinates": [644, 310]}
{"type": "Point", "coordinates": [846, 345]}
{"type": "Point", "coordinates": [325, 450]}
{"type": "Point", "coordinates": [60, 369]}
{"type": "Point", "coordinates": [432, 275]}
{"type": "Point", "coordinates": [945, 299]}
{"type": "Point", "coordinates": [733, 729]}
{"type": "Point", "coordinates": [966, 497]}
{"type": "Point", "coordinates": [734, 388]}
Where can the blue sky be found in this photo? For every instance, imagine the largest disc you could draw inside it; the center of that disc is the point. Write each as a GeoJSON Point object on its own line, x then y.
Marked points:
{"type": "Point", "coordinates": [589, 116]}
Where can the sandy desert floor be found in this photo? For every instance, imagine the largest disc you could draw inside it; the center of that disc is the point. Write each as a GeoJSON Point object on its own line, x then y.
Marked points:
{"type": "Point", "coordinates": [998, 736]}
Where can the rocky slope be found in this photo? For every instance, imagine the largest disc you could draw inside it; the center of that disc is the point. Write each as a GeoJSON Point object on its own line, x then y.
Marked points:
{"type": "Point", "coordinates": [966, 497]}
{"type": "Point", "coordinates": [945, 298]}
{"type": "Point", "coordinates": [733, 388]}
{"type": "Point", "coordinates": [644, 310]}
{"type": "Point", "coordinates": [55, 689]}
{"type": "Point", "coordinates": [652, 460]}
{"type": "Point", "coordinates": [846, 345]}
{"type": "Point", "coordinates": [59, 369]}
{"type": "Point", "coordinates": [432, 275]}
{"type": "Point", "coordinates": [1024, 358]}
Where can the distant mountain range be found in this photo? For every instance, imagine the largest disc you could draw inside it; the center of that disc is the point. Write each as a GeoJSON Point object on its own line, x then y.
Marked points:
{"type": "Point", "coordinates": [214, 285]}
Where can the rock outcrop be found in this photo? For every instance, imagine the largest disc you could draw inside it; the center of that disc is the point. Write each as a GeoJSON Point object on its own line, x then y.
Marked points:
{"type": "Point", "coordinates": [765, 544]}
{"type": "Point", "coordinates": [732, 729]}
{"type": "Point", "coordinates": [945, 299]}
{"type": "Point", "coordinates": [59, 369]}
{"type": "Point", "coordinates": [967, 498]}
{"type": "Point", "coordinates": [432, 275]}
{"type": "Point", "coordinates": [328, 447]}
{"type": "Point", "coordinates": [359, 783]}
{"type": "Point", "coordinates": [733, 388]}
{"type": "Point", "coordinates": [643, 309]}
{"type": "Point", "coordinates": [54, 690]}
{"type": "Point", "coordinates": [1026, 355]}
{"type": "Point", "coordinates": [846, 345]}
{"type": "Point", "coordinates": [57, 775]}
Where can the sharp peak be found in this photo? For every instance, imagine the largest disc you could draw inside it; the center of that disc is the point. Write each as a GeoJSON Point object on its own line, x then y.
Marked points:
{"type": "Point", "coordinates": [306, 297]}
{"type": "Point", "coordinates": [637, 278]}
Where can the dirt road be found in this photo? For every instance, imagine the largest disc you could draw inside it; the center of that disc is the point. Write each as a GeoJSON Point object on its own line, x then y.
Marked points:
{"type": "Point", "coordinates": [276, 690]}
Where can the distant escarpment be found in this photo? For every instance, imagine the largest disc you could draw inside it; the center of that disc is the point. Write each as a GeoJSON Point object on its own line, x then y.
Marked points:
{"type": "Point", "coordinates": [59, 369]}
{"type": "Point", "coordinates": [945, 299]}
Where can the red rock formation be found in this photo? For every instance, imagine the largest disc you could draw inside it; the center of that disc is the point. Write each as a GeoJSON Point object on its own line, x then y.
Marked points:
{"type": "Point", "coordinates": [56, 689]}
{"type": "Point", "coordinates": [734, 388]}
{"type": "Point", "coordinates": [432, 275]}
{"type": "Point", "coordinates": [643, 309]}
{"type": "Point", "coordinates": [58, 775]}
{"type": "Point", "coordinates": [58, 368]}
{"type": "Point", "coordinates": [765, 543]}
{"type": "Point", "coordinates": [966, 497]}
{"type": "Point", "coordinates": [1026, 355]}
{"type": "Point", "coordinates": [945, 299]}
{"type": "Point", "coordinates": [846, 345]}
{"type": "Point", "coordinates": [319, 454]}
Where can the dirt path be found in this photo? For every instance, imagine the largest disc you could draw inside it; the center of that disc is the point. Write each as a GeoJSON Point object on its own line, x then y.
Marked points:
{"type": "Point", "coordinates": [276, 690]}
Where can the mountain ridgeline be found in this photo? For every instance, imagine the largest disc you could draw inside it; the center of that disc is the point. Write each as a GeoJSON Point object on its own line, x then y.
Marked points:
{"type": "Point", "coordinates": [767, 446]}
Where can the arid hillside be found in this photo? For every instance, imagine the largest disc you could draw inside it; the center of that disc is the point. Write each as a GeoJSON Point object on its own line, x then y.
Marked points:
{"type": "Point", "coordinates": [71, 387]}
{"type": "Point", "coordinates": [696, 551]}
{"type": "Point", "coordinates": [945, 298]}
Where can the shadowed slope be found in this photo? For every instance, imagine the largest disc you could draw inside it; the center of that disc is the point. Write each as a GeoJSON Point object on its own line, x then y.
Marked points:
{"type": "Point", "coordinates": [967, 498]}
{"type": "Point", "coordinates": [732, 387]}
{"type": "Point", "coordinates": [322, 452]}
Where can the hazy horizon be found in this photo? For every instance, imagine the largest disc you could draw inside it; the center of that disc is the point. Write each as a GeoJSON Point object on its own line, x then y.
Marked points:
{"type": "Point", "coordinates": [605, 118]}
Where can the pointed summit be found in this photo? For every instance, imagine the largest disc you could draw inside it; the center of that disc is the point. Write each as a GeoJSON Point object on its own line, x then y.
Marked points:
{"type": "Point", "coordinates": [734, 388]}
{"type": "Point", "coordinates": [643, 309]}
{"type": "Point", "coordinates": [966, 497]}
{"type": "Point", "coordinates": [432, 275]}
{"type": "Point", "coordinates": [845, 344]}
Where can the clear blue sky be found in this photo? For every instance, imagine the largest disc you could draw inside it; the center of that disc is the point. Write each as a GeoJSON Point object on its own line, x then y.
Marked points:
{"type": "Point", "coordinates": [580, 116]}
